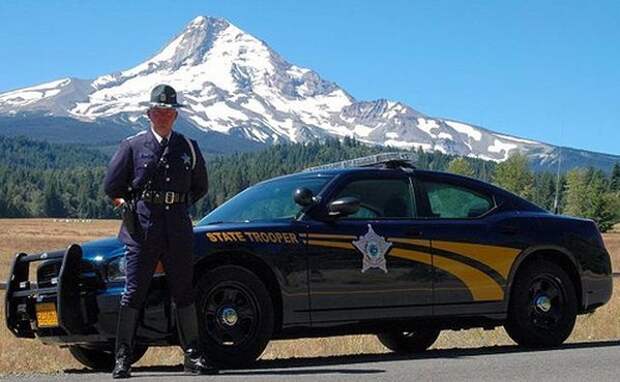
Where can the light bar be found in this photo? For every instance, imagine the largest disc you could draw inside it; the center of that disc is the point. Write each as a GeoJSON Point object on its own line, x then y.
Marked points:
{"type": "Point", "coordinates": [399, 159]}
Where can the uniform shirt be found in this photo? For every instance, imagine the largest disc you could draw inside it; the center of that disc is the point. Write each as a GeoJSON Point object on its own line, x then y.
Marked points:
{"type": "Point", "coordinates": [159, 137]}
{"type": "Point", "coordinates": [137, 159]}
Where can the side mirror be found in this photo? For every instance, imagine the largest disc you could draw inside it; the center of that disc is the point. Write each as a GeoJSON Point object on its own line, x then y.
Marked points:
{"type": "Point", "coordinates": [303, 196]}
{"type": "Point", "coordinates": [344, 206]}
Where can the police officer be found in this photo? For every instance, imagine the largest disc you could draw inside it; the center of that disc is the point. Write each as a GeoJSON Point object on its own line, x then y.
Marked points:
{"type": "Point", "coordinates": [164, 173]}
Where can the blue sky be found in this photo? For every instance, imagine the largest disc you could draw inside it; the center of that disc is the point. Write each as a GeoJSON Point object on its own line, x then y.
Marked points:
{"type": "Point", "coordinates": [545, 70]}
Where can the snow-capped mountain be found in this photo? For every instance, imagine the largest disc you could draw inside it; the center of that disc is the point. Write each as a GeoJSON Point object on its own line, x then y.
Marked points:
{"type": "Point", "coordinates": [236, 87]}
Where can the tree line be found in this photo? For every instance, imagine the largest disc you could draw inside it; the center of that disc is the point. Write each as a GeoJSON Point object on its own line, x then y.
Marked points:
{"type": "Point", "coordinates": [39, 179]}
{"type": "Point", "coordinates": [583, 192]}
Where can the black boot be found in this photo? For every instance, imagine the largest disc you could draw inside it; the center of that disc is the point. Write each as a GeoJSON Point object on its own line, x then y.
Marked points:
{"type": "Point", "coordinates": [187, 325]}
{"type": "Point", "coordinates": [125, 332]}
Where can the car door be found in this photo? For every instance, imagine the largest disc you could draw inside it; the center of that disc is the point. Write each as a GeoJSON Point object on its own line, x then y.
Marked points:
{"type": "Point", "coordinates": [369, 265]}
{"type": "Point", "coordinates": [471, 262]}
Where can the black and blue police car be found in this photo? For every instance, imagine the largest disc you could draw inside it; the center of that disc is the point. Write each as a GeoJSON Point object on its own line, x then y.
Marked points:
{"type": "Point", "coordinates": [371, 245]}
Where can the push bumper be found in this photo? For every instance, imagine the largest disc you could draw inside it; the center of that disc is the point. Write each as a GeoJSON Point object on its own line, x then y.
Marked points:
{"type": "Point", "coordinates": [71, 291]}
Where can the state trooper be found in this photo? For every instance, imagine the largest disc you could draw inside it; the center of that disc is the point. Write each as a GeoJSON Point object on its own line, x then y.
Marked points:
{"type": "Point", "coordinates": [162, 173]}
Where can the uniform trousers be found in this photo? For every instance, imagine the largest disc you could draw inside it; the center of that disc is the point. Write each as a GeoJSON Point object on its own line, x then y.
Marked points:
{"type": "Point", "coordinates": [164, 235]}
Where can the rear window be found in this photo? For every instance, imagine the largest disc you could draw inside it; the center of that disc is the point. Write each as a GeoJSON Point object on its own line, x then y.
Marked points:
{"type": "Point", "coordinates": [455, 202]}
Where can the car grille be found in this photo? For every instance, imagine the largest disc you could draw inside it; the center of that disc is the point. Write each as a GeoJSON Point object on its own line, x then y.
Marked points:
{"type": "Point", "coordinates": [47, 273]}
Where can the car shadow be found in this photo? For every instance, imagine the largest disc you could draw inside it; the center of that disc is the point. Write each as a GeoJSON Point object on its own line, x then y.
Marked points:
{"type": "Point", "coordinates": [317, 365]}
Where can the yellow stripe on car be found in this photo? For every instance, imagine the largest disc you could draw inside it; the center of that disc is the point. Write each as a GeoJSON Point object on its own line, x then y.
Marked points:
{"type": "Point", "coordinates": [420, 257]}
{"type": "Point", "coordinates": [421, 242]}
{"type": "Point", "coordinates": [481, 286]}
{"type": "Point", "coordinates": [496, 257]}
{"type": "Point", "coordinates": [328, 236]}
{"type": "Point", "coordinates": [333, 244]}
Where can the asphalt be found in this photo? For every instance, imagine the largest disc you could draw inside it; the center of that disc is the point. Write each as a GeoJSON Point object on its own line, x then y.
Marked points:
{"type": "Point", "coordinates": [593, 361]}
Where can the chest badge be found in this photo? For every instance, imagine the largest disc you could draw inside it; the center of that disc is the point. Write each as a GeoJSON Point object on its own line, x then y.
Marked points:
{"type": "Point", "coordinates": [373, 248]}
{"type": "Point", "coordinates": [186, 159]}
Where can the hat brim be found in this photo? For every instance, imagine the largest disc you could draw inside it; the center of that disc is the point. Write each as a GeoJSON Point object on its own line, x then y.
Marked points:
{"type": "Point", "coordinates": [166, 105]}
{"type": "Point", "coordinates": [162, 105]}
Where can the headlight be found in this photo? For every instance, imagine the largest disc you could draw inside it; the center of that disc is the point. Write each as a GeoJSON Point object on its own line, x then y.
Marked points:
{"type": "Point", "coordinates": [116, 268]}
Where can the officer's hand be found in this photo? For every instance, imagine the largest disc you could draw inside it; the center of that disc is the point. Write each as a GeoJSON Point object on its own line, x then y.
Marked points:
{"type": "Point", "coordinates": [118, 202]}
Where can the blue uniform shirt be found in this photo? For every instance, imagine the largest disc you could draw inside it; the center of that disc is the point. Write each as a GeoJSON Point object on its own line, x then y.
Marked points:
{"type": "Point", "coordinates": [127, 172]}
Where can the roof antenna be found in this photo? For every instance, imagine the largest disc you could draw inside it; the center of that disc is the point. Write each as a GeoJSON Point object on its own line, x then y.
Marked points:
{"type": "Point", "coordinates": [556, 206]}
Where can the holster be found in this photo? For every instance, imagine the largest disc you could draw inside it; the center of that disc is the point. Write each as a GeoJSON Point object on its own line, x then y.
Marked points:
{"type": "Point", "coordinates": [129, 216]}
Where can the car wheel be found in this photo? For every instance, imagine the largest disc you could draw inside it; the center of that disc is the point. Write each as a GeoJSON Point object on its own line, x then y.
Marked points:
{"type": "Point", "coordinates": [236, 316]}
{"type": "Point", "coordinates": [409, 342]}
{"type": "Point", "coordinates": [543, 306]}
{"type": "Point", "coordinates": [101, 358]}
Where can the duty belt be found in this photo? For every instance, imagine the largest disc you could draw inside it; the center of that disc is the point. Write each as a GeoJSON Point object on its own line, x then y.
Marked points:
{"type": "Point", "coordinates": [164, 197]}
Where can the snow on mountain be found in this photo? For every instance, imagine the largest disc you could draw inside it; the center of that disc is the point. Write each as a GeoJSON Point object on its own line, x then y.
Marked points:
{"type": "Point", "coordinates": [235, 84]}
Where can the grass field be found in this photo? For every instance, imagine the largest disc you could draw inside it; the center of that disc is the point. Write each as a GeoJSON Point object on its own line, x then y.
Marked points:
{"type": "Point", "coordinates": [25, 356]}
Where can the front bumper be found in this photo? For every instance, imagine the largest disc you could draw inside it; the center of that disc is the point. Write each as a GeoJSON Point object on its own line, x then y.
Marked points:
{"type": "Point", "coordinates": [72, 291]}
{"type": "Point", "coordinates": [86, 306]}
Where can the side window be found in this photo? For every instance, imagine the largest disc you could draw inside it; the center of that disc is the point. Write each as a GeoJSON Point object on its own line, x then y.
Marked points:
{"type": "Point", "coordinates": [450, 201]}
{"type": "Point", "coordinates": [380, 198]}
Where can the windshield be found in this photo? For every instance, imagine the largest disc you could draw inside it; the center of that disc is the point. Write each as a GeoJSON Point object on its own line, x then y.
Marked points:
{"type": "Point", "coordinates": [265, 201]}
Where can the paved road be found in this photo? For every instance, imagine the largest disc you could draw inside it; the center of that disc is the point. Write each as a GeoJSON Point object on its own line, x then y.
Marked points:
{"type": "Point", "coordinates": [596, 361]}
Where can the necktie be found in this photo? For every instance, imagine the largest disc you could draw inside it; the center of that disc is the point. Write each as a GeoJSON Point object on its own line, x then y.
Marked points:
{"type": "Point", "coordinates": [164, 142]}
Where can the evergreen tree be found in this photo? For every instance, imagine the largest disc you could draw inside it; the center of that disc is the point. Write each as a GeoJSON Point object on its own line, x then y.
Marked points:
{"type": "Point", "coordinates": [576, 189]}
{"type": "Point", "coordinates": [614, 182]}
{"type": "Point", "coordinates": [460, 166]}
{"type": "Point", "coordinates": [52, 202]}
{"type": "Point", "coordinates": [588, 196]}
{"type": "Point", "coordinates": [484, 172]}
{"type": "Point", "coordinates": [544, 190]}
{"type": "Point", "coordinates": [514, 175]}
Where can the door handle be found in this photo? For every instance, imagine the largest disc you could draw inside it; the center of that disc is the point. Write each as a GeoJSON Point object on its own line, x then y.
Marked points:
{"type": "Point", "coordinates": [413, 232]}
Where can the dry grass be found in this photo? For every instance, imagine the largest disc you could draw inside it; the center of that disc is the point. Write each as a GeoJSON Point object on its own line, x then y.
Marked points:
{"type": "Point", "coordinates": [35, 235]}
{"type": "Point", "coordinates": [25, 356]}
{"type": "Point", "coordinates": [612, 243]}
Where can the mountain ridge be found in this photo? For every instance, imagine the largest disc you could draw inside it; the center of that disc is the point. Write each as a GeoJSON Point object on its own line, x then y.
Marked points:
{"type": "Point", "coordinates": [235, 85]}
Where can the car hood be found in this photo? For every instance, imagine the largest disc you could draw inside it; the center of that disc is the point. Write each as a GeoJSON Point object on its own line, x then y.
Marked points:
{"type": "Point", "coordinates": [244, 226]}
{"type": "Point", "coordinates": [107, 247]}
{"type": "Point", "coordinates": [102, 248]}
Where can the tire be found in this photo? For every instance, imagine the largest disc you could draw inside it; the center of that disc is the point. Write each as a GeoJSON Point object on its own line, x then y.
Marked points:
{"type": "Point", "coordinates": [101, 358]}
{"type": "Point", "coordinates": [543, 306]}
{"type": "Point", "coordinates": [409, 342]}
{"type": "Point", "coordinates": [236, 316]}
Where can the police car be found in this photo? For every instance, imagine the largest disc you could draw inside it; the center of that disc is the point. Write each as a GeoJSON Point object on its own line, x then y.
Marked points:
{"type": "Point", "coordinates": [366, 246]}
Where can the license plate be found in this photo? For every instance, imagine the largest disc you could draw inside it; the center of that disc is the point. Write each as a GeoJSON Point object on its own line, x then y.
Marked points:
{"type": "Point", "coordinates": [46, 315]}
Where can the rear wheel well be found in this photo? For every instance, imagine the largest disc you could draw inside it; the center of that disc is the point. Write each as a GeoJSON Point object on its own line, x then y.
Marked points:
{"type": "Point", "coordinates": [253, 264]}
{"type": "Point", "coordinates": [560, 259]}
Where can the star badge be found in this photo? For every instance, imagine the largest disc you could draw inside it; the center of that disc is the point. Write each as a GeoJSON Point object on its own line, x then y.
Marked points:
{"type": "Point", "coordinates": [186, 158]}
{"type": "Point", "coordinates": [373, 248]}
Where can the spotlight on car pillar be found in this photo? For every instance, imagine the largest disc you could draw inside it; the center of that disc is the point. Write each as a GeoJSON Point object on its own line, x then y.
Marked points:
{"type": "Point", "coordinates": [303, 196]}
